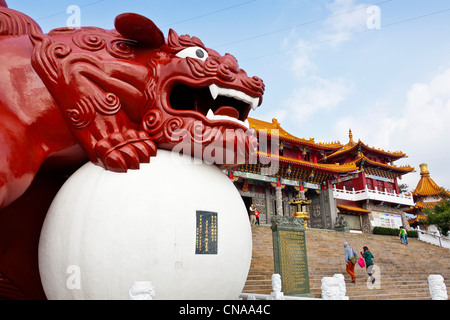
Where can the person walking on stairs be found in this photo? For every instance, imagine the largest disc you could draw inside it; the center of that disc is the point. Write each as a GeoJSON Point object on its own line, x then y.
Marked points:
{"type": "Point", "coordinates": [351, 258]}
{"type": "Point", "coordinates": [403, 235]}
{"type": "Point", "coordinates": [368, 258]}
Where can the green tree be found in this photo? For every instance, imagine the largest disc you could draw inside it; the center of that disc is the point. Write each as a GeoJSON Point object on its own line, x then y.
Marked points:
{"type": "Point", "coordinates": [440, 216]}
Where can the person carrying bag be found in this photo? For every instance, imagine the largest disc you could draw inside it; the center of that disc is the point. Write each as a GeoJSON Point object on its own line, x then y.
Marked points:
{"type": "Point", "coordinates": [368, 258]}
{"type": "Point", "coordinates": [351, 258]}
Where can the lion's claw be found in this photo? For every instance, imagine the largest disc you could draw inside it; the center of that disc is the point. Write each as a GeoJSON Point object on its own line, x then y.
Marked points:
{"type": "Point", "coordinates": [121, 152]}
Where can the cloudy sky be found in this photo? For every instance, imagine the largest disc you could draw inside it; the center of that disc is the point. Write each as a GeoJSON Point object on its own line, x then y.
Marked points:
{"type": "Point", "coordinates": [380, 68]}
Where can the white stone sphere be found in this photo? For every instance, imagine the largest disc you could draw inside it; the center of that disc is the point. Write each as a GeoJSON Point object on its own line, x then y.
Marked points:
{"type": "Point", "coordinates": [105, 231]}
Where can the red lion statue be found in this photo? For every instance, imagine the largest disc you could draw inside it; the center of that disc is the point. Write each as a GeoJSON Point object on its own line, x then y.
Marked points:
{"type": "Point", "coordinates": [112, 97]}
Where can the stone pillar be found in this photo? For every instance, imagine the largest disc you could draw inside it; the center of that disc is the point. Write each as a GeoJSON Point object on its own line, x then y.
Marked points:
{"type": "Point", "coordinates": [279, 201]}
{"type": "Point", "coordinates": [323, 210]}
{"type": "Point", "coordinates": [332, 206]}
{"type": "Point", "coordinates": [268, 204]}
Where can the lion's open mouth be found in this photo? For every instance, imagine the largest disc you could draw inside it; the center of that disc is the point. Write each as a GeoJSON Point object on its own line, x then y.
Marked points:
{"type": "Point", "coordinates": [215, 103]}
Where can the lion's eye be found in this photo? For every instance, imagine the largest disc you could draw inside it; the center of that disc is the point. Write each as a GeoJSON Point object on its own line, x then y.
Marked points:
{"type": "Point", "coordinates": [194, 52]}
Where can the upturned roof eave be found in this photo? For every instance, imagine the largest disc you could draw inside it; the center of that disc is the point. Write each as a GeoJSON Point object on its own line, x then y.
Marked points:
{"type": "Point", "coordinates": [327, 168]}
{"type": "Point", "coordinates": [353, 147]}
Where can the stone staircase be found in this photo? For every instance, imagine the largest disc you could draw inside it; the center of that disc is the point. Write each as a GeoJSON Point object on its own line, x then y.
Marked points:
{"type": "Point", "coordinates": [403, 270]}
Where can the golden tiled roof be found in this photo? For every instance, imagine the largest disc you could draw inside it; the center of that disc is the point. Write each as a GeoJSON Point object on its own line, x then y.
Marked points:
{"type": "Point", "coordinates": [275, 129]}
{"type": "Point", "coordinates": [426, 185]}
{"type": "Point", "coordinates": [420, 205]}
{"type": "Point", "coordinates": [426, 205]}
{"type": "Point", "coordinates": [399, 169]}
{"type": "Point", "coordinates": [352, 146]}
{"type": "Point", "coordinates": [333, 168]}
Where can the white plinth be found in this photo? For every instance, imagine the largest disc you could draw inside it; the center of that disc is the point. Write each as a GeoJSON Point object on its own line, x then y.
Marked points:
{"type": "Point", "coordinates": [105, 231]}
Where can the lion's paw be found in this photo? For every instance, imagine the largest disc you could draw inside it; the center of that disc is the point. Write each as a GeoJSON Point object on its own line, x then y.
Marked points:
{"type": "Point", "coordinates": [120, 152]}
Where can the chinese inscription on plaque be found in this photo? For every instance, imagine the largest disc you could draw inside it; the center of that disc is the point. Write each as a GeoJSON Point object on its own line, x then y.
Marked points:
{"type": "Point", "coordinates": [290, 256]}
{"type": "Point", "coordinates": [206, 242]}
{"type": "Point", "coordinates": [293, 261]}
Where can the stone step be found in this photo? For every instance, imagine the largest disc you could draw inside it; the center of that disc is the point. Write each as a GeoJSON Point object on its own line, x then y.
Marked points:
{"type": "Point", "coordinates": [404, 269]}
{"type": "Point", "coordinates": [360, 288]}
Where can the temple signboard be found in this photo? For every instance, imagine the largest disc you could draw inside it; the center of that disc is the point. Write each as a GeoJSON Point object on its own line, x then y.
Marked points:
{"type": "Point", "coordinates": [289, 251]}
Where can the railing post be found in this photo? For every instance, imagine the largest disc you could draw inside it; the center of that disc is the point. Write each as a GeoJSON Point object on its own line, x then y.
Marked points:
{"type": "Point", "coordinates": [439, 235]}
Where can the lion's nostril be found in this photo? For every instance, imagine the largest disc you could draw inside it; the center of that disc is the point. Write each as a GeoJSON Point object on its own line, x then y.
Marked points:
{"type": "Point", "coordinates": [230, 62]}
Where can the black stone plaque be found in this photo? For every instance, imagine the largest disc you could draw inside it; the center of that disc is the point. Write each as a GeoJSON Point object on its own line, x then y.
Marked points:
{"type": "Point", "coordinates": [206, 242]}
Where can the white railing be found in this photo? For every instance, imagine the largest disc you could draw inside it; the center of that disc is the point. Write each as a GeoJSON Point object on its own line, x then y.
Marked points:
{"type": "Point", "coordinates": [333, 288]}
{"type": "Point", "coordinates": [358, 195]}
{"type": "Point", "coordinates": [434, 237]}
{"type": "Point", "coordinates": [258, 296]}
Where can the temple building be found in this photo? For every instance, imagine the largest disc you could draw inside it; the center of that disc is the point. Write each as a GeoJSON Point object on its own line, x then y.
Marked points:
{"type": "Point", "coordinates": [353, 182]}
{"type": "Point", "coordinates": [426, 195]}
{"type": "Point", "coordinates": [287, 165]}
{"type": "Point", "coordinates": [370, 197]}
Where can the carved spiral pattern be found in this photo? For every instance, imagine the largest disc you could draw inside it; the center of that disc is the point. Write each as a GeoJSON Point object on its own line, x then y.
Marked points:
{"type": "Point", "coordinates": [94, 40]}
{"type": "Point", "coordinates": [60, 50]}
{"type": "Point", "coordinates": [211, 67]}
{"type": "Point", "coordinates": [82, 115]}
{"type": "Point", "coordinates": [153, 121]}
{"type": "Point", "coordinates": [173, 129]}
{"type": "Point", "coordinates": [254, 83]}
{"type": "Point", "coordinates": [89, 41]}
{"type": "Point", "coordinates": [121, 49]}
{"type": "Point", "coordinates": [108, 104]}
{"type": "Point", "coordinates": [225, 73]}
{"type": "Point", "coordinates": [202, 134]}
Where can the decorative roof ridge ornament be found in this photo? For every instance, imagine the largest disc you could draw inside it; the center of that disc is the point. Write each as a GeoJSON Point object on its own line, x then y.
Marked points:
{"type": "Point", "coordinates": [424, 170]}
{"type": "Point", "coordinates": [275, 122]}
